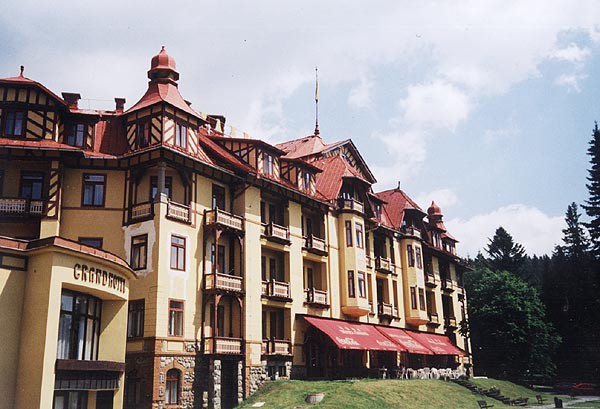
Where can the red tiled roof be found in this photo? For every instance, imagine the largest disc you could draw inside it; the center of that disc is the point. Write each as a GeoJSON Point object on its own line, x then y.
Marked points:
{"type": "Point", "coordinates": [163, 92]}
{"type": "Point", "coordinates": [335, 169]}
{"type": "Point", "coordinates": [397, 201]}
{"type": "Point", "coordinates": [27, 81]}
{"type": "Point", "coordinates": [223, 155]}
{"type": "Point", "coordinates": [220, 137]}
{"type": "Point", "coordinates": [299, 148]}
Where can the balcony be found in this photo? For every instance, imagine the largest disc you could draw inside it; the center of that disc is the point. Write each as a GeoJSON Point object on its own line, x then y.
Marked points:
{"type": "Point", "coordinates": [411, 231]}
{"type": "Point", "coordinates": [396, 313]}
{"type": "Point", "coordinates": [315, 245]}
{"type": "Point", "coordinates": [276, 347]}
{"type": "Point", "coordinates": [178, 212]}
{"type": "Point", "coordinates": [434, 320]}
{"type": "Point", "coordinates": [223, 282]}
{"type": "Point", "coordinates": [385, 310]}
{"type": "Point", "coordinates": [371, 308]}
{"type": "Point", "coordinates": [221, 218]}
{"type": "Point", "coordinates": [352, 205]}
{"type": "Point", "coordinates": [462, 293]}
{"type": "Point", "coordinates": [383, 265]}
{"type": "Point", "coordinates": [430, 280]}
{"type": "Point", "coordinates": [316, 298]}
{"type": "Point", "coordinates": [447, 285]}
{"type": "Point", "coordinates": [22, 207]}
{"type": "Point", "coordinates": [276, 233]}
{"type": "Point", "coordinates": [450, 322]}
{"type": "Point", "coordinates": [223, 346]}
{"type": "Point", "coordinates": [276, 290]}
{"type": "Point", "coordinates": [141, 211]}
{"type": "Point", "coordinates": [369, 261]}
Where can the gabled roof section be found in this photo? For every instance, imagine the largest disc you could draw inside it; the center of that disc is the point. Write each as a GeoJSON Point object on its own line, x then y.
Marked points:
{"type": "Point", "coordinates": [22, 80]}
{"type": "Point", "coordinates": [334, 170]}
{"type": "Point", "coordinates": [303, 147]}
{"type": "Point", "coordinates": [397, 202]}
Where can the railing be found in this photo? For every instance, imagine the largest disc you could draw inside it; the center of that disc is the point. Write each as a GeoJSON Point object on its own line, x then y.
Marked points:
{"type": "Point", "coordinates": [222, 345]}
{"type": "Point", "coordinates": [433, 318]}
{"type": "Point", "coordinates": [277, 232]}
{"type": "Point", "coordinates": [447, 284]}
{"type": "Point", "coordinates": [314, 296]}
{"type": "Point", "coordinates": [450, 321]}
{"type": "Point", "coordinates": [218, 281]}
{"type": "Point", "coordinates": [430, 280]}
{"type": "Point", "coordinates": [396, 312]}
{"type": "Point", "coordinates": [141, 211]}
{"type": "Point", "coordinates": [371, 308]}
{"type": "Point", "coordinates": [385, 309]}
{"type": "Point", "coordinates": [312, 242]}
{"type": "Point", "coordinates": [411, 231]}
{"type": "Point", "coordinates": [178, 211]}
{"type": "Point", "coordinates": [383, 264]}
{"type": "Point", "coordinates": [369, 261]}
{"type": "Point", "coordinates": [218, 216]}
{"type": "Point", "coordinates": [22, 207]}
{"type": "Point", "coordinates": [276, 347]}
{"type": "Point", "coordinates": [276, 289]}
{"type": "Point", "coordinates": [351, 204]}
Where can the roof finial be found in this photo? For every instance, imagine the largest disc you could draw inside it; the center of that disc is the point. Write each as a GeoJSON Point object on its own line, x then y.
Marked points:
{"type": "Point", "coordinates": [22, 70]}
{"type": "Point", "coordinates": [316, 101]}
{"type": "Point", "coordinates": [163, 48]}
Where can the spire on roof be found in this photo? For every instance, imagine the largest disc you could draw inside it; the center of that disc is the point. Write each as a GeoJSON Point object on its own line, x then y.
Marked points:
{"type": "Point", "coordinates": [22, 71]}
{"type": "Point", "coordinates": [317, 101]}
{"type": "Point", "coordinates": [163, 68]}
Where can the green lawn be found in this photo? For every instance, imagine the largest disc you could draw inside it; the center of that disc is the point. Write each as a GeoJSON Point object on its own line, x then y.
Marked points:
{"type": "Point", "coordinates": [513, 390]}
{"type": "Point", "coordinates": [590, 404]}
{"type": "Point", "coordinates": [368, 394]}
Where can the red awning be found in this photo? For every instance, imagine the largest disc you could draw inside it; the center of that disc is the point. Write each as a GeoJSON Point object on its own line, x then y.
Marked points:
{"type": "Point", "coordinates": [353, 335]}
{"type": "Point", "coordinates": [439, 344]}
{"type": "Point", "coordinates": [406, 342]}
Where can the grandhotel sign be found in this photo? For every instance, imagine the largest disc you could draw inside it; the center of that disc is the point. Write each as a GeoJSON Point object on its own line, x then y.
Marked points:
{"type": "Point", "coordinates": [87, 274]}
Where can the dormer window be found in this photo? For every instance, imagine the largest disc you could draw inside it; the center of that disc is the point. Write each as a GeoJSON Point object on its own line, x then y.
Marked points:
{"type": "Point", "coordinates": [13, 123]}
{"type": "Point", "coordinates": [181, 136]}
{"type": "Point", "coordinates": [378, 211]}
{"type": "Point", "coordinates": [142, 135]}
{"type": "Point", "coordinates": [267, 164]}
{"type": "Point", "coordinates": [76, 135]}
{"type": "Point", "coordinates": [306, 181]}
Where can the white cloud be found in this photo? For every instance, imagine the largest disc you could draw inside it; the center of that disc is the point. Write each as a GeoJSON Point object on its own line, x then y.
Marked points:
{"type": "Point", "coordinates": [572, 53]}
{"type": "Point", "coordinates": [444, 198]}
{"type": "Point", "coordinates": [535, 230]}
{"type": "Point", "coordinates": [571, 81]}
{"type": "Point", "coordinates": [403, 152]}
{"type": "Point", "coordinates": [491, 136]}
{"type": "Point", "coordinates": [360, 96]}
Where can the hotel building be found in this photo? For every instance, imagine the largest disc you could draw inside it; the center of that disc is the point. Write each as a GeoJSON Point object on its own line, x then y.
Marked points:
{"type": "Point", "coordinates": [149, 259]}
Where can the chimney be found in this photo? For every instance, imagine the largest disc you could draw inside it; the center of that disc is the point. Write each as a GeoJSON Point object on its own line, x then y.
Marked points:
{"type": "Point", "coordinates": [119, 105]}
{"type": "Point", "coordinates": [72, 99]}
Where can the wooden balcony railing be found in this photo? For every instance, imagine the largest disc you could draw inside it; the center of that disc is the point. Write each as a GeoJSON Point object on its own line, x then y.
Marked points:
{"type": "Point", "coordinates": [178, 212]}
{"type": "Point", "coordinates": [141, 211]}
{"type": "Point", "coordinates": [383, 264]}
{"type": "Point", "coordinates": [276, 289]}
{"type": "Point", "coordinates": [315, 244]}
{"type": "Point", "coordinates": [433, 318]}
{"type": "Point", "coordinates": [447, 284]}
{"type": "Point", "coordinates": [276, 347]}
{"type": "Point", "coordinates": [396, 312]}
{"type": "Point", "coordinates": [224, 282]}
{"type": "Point", "coordinates": [369, 261]}
{"type": "Point", "coordinates": [450, 322]}
{"type": "Point", "coordinates": [276, 232]}
{"type": "Point", "coordinates": [316, 297]}
{"type": "Point", "coordinates": [430, 280]}
{"type": "Point", "coordinates": [385, 309]}
{"type": "Point", "coordinates": [351, 204]}
{"type": "Point", "coordinates": [22, 207]}
{"type": "Point", "coordinates": [223, 218]}
{"type": "Point", "coordinates": [411, 231]}
{"type": "Point", "coordinates": [222, 345]}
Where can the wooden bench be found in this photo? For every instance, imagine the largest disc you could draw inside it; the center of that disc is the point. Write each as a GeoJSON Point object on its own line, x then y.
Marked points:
{"type": "Point", "coordinates": [483, 404]}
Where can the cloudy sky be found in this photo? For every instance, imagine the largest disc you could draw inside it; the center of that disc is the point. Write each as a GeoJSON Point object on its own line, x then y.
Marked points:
{"type": "Point", "coordinates": [484, 106]}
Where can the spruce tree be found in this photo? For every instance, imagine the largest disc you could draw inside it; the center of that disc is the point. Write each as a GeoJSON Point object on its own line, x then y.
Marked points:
{"type": "Point", "coordinates": [504, 253]}
{"type": "Point", "coordinates": [592, 206]}
{"type": "Point", "coordinates": [575, 239]}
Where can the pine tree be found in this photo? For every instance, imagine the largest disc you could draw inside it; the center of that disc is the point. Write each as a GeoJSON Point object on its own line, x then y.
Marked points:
{"type": "Point", "coordinates": [575, 239]}
{"type": "Point", "coordinates": [592, 206]}
{"type": "Point", "coordinates": [504, 253]}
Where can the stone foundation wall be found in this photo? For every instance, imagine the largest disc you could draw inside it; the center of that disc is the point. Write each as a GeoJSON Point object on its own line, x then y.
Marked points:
{"type": "Point", "coordinates": [256, 376]}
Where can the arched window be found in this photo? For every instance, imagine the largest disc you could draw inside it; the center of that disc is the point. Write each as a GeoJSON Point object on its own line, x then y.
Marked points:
{"type": "Point", "coordinates": [172, 392]}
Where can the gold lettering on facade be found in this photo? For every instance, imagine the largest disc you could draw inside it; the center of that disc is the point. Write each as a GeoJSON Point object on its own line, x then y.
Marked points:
{"type": "Point", "coordinates": [96, 275]}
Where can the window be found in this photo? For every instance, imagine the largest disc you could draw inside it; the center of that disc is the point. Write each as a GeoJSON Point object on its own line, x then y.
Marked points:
{"type": "Point", "coordinates": [79, 326]}
{"type": "Point", "coordinates": [135, 319]}
{"type": "Point", "coordinates": [413, 298]}
{"type": "Point", "coordinates": [421, 299]}
{"type": "Point", "coordinates": [218, 197]}
{"type": "Point", "coordinates": [31, 185]}
{"type": "Point", "coordinates": [267, 164]}
{"type": "Point", "coordinates": [359, 236]}
{"type": "Point", "coordinates": [139, 251]}
{"type": "Point", "coordinates": [418, 257]}
{"type": "Point", "coordinates": [76, 135]}
{"type": "Point", "coordinates": [172, 390]}
{"type": "Point", "coordinates": [91, 241]}
{"type": "Point", "coordinates": [220, 328]}
{"type": "Point", "coordinates": [13, 123]}
{"type": "Point", "coordinates": [141, 135]}
{"type": "Point", "coordinates": [378, 211]}
{"type": "Point", "coordinates": [348, 233]}
{"type": "Point", "coordinates": [133, 391]}
{"type": "Point", "coordinates": [181, 136]}
{"type": "Point", "coordinates": [411, 255]}
{"type": "Point", "coordinates": [263, 212]}
{"type": "Point", "coordinates": [362, 290]}
{"type": "Point", "coordinates": [220, 258]}
{"type": "Point", "coordinates": [175, 318]}
{"type": "Point", "coordinates": [309, 277]}
{"type": "Point", "coordinates": [154, 186]}
{"type": "Point", "coordinates": [177, 253]}
{"type": "Point", "coordinates": [93, 190]}
{"type": "Point", "coordinates": [351, 292]}
{"type": "Point", "coordinates": [272, 269]}
{"type": "Point", "coordinates": [70, 400]}
{"type": "Point", "coordinates": [306, 181]}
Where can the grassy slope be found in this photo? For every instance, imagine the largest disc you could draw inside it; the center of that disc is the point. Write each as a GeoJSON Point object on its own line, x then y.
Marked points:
{"type": "Point", "coordinates": [367, 394]}
{"type": "Point", "coordinates": [589, 404]}
{"type": "Point", "coordinates": [512, 390]}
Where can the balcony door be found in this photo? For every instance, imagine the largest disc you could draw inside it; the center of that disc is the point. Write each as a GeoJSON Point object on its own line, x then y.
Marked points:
{"type": "Point", "coordinates": [32, 184]}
